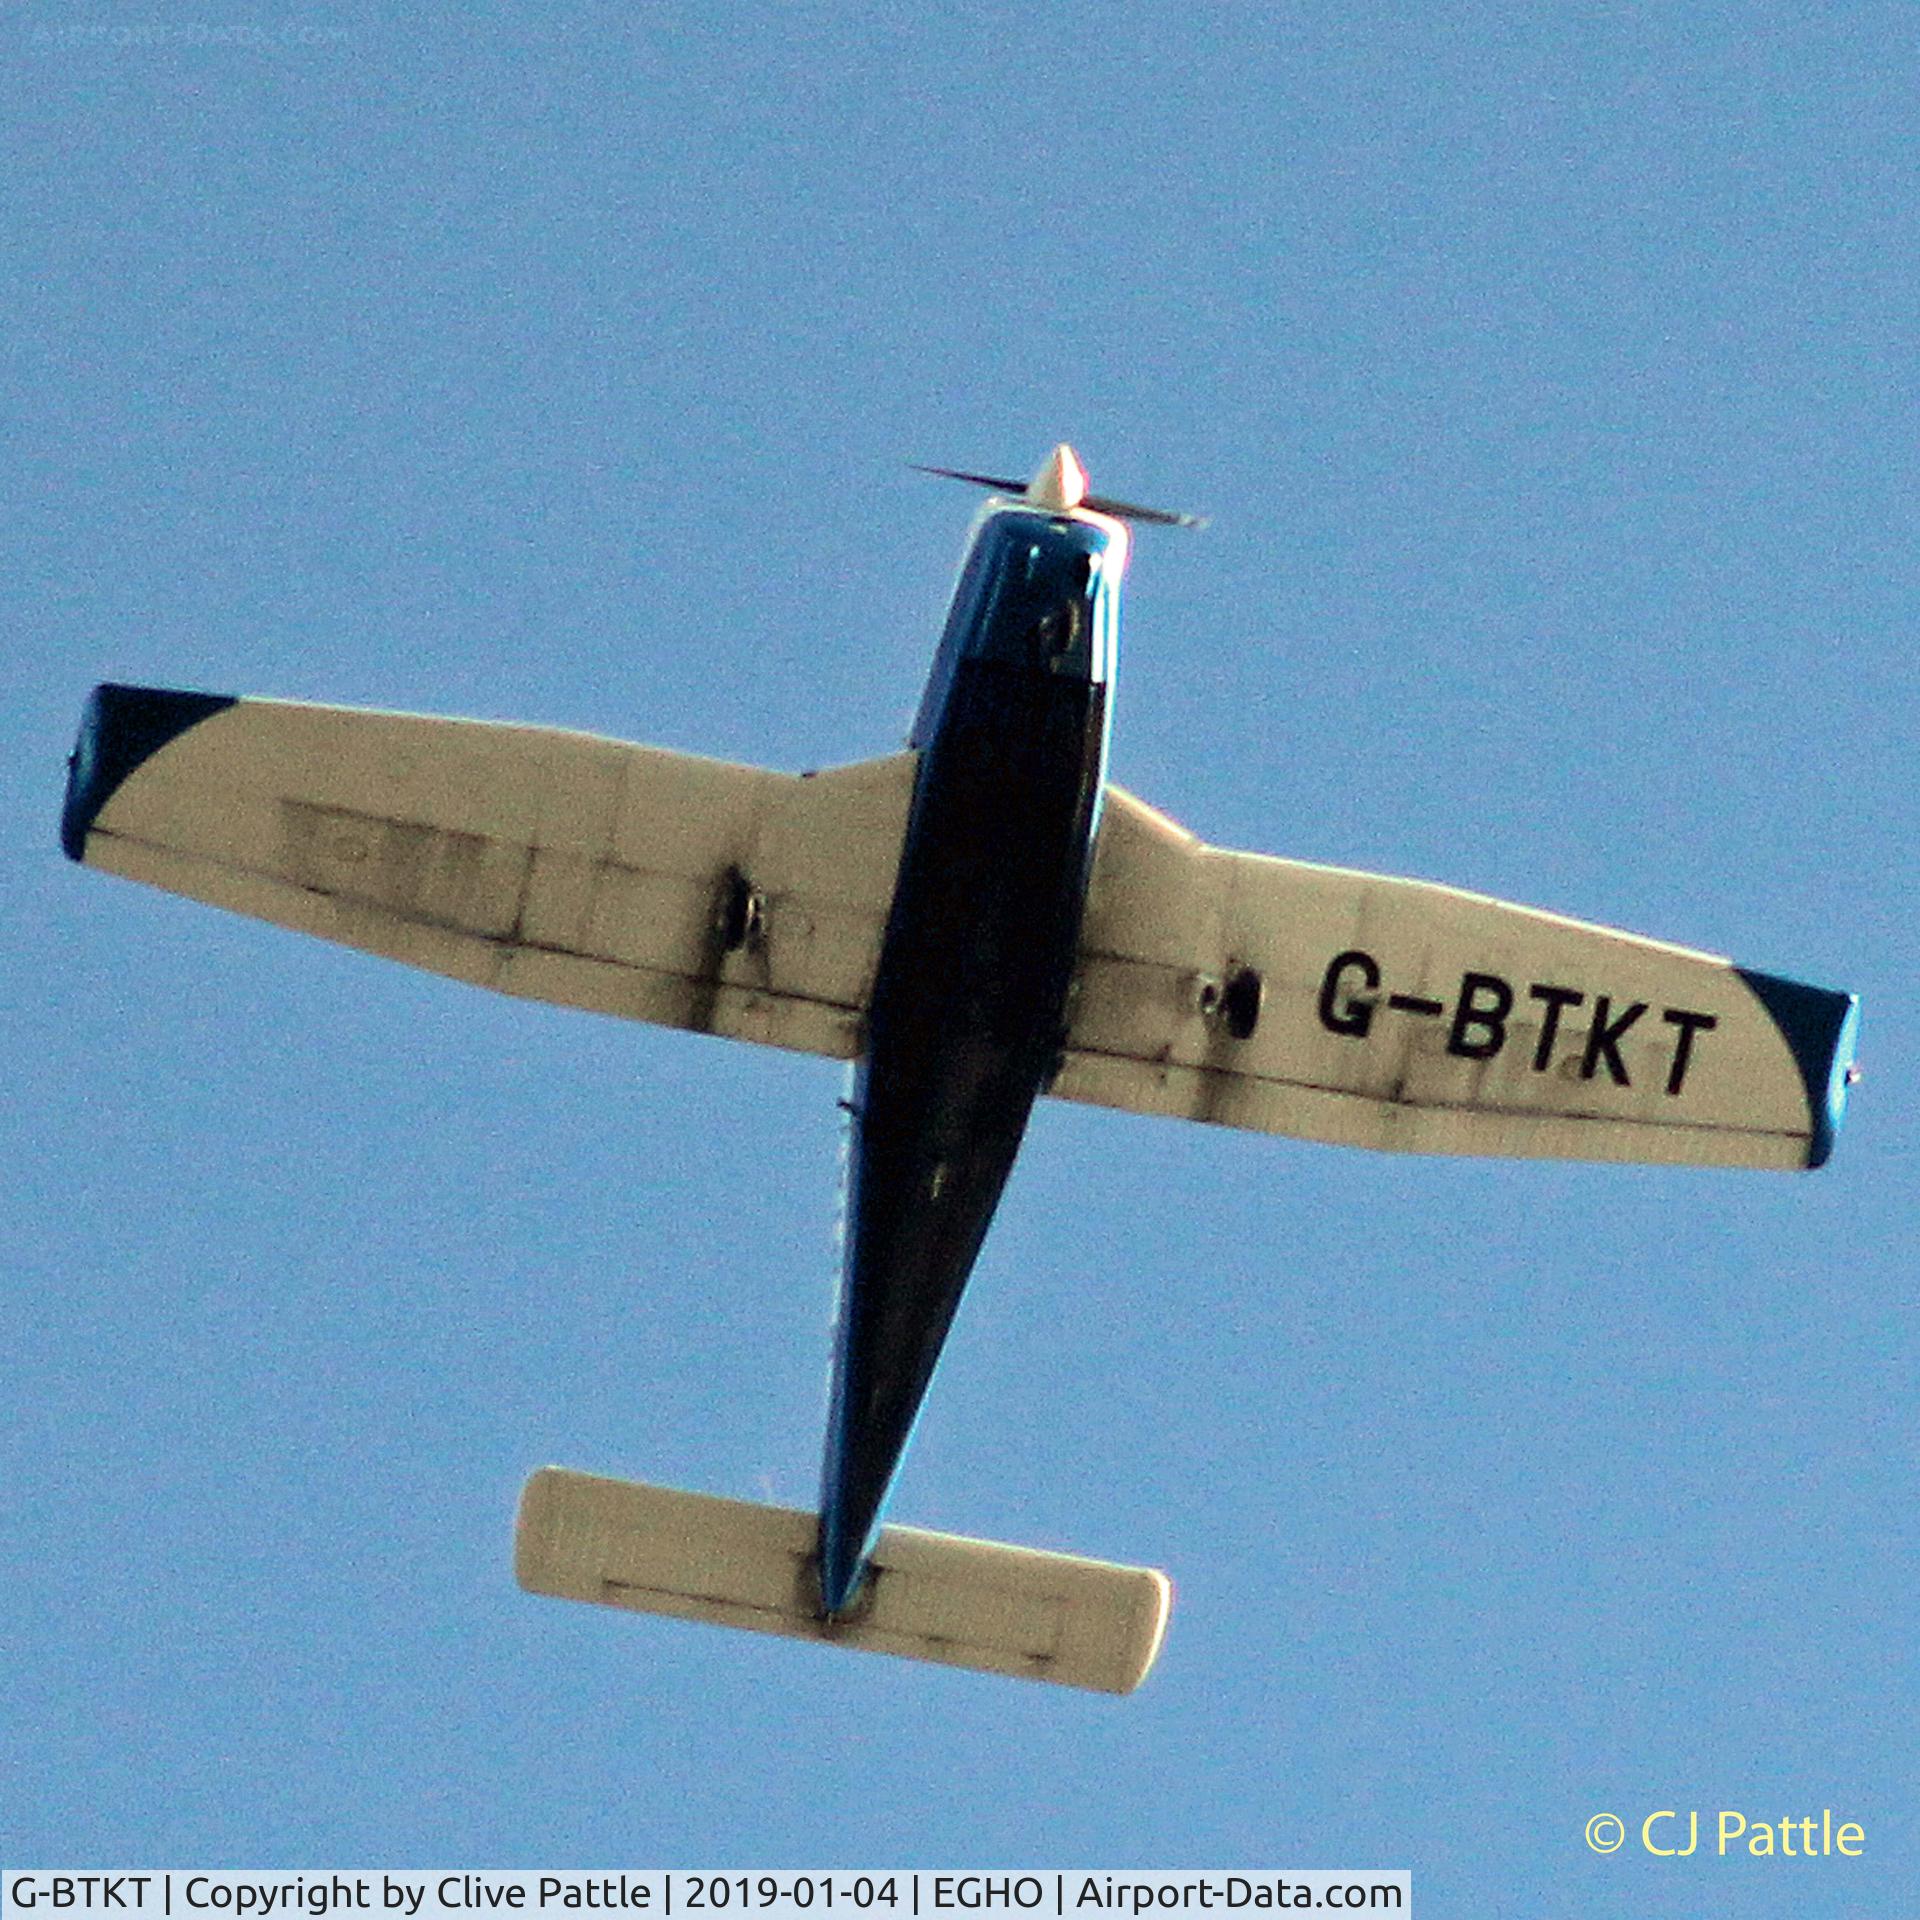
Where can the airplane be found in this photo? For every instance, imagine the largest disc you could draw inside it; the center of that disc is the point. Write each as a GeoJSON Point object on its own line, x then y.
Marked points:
{"type": "Point", "coordinates": [972, 922]}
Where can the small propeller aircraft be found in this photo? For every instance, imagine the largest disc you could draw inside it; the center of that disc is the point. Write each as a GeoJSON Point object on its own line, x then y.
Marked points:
{"type": "Point", "coordinates": [972, 922]}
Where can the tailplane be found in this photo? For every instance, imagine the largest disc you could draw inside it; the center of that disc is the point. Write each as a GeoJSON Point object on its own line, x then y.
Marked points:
{"type": "Point", "coordinates": [929, 1596]}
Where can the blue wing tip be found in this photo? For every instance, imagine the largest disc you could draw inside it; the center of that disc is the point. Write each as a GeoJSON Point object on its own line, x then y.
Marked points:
{"type": "Point", "coordinates": [121, 728]}
{"type": "Point", "coordinates": [1822, 1029]}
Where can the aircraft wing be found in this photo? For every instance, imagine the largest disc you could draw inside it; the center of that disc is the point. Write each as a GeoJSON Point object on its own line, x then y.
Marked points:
{"type": "Point", "coordinates": [555, 866]}
{"type": "Point", "coordinates": [1376, 1012]}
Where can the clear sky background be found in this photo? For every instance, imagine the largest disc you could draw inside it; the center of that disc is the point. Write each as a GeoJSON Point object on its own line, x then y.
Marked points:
{"type": "Point", "coordinates": [1550, 375]}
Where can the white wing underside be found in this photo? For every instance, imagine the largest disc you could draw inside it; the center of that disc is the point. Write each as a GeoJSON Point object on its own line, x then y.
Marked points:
{"type": "Point", "coordinates": [554, 866]}
{"type": "Point", "coordinates": [1171, 920]}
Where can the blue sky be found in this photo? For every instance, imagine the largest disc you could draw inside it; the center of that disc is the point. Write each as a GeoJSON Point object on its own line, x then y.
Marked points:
{"type": "Point", "coordinates": [1550, 376]}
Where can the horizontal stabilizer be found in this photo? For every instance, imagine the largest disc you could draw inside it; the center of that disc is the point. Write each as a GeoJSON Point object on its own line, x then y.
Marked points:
{"type": "Point", "coordinates": [931, 1596]}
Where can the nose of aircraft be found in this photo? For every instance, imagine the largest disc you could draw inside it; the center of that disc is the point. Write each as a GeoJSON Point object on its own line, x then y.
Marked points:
{"type": "Point", "coordinates": [1059, 483]}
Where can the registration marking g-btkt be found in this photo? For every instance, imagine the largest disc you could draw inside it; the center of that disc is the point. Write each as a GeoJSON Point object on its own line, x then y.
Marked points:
{"type": "Point", "coordinates": [1350, 999]}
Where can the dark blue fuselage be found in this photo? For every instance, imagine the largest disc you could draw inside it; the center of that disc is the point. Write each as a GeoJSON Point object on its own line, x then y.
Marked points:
{"type": "Point", "coordinates": [969, 1002]}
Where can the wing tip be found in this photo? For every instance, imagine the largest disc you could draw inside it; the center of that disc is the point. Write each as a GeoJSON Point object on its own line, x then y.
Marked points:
{"type": "Point", "coordinates": [1822, 1031]}
{"type": "Point", "coordinates": [121, 728]}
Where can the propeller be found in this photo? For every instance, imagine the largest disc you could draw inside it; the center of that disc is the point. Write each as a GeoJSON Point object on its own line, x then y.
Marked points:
{"type": "Point", "coordinates": [1060, 485]}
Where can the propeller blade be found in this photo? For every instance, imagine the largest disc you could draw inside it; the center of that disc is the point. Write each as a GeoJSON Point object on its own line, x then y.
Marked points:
{"type": "Point", "coordinates": [1154, 516]}
{"type": "Point", "coordinates": [977, 479]}
{"type": "Point", "coordinates": [1119, 509]}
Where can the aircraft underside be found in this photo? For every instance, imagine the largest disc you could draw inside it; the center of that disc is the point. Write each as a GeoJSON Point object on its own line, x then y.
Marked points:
{"type": "Point", "coordinates": [973, 922]}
